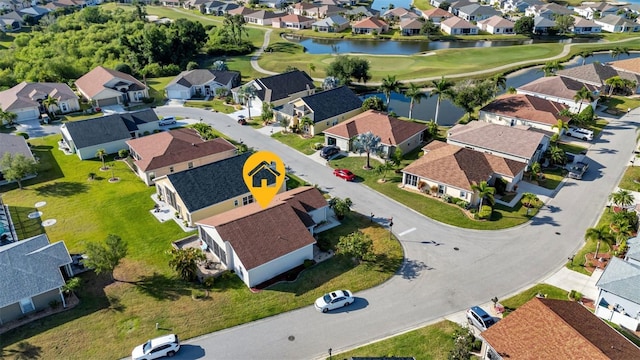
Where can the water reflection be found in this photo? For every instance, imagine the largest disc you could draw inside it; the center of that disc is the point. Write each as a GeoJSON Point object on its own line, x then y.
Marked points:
{"type": "Point", "coordinates": [449, 113]}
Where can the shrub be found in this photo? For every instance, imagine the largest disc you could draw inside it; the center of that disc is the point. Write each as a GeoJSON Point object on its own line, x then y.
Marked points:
{"type": "Point", "coordinates": [434, 189]}
{"type": "Point", "coordinates": [208, 282]}
{"type": "Point", "coordinates": [308, 263]}
{"type": "Point", "coordinates": [148, 100]}
{"type": "Point", "coordinates": [463, 204]}
{"type": "Point", "coordinates": [324, 244]}
{"type": "Point", "coordinates": [198, 293]}
{"type": "Point", "coordinates": [317, 146]}
{"type": "Point", "coordinates": [146, 133]}
{"type": "Point", "coordinates": [23, 134]}
{"type": "Point", "coordinates": [123, 153]}
{"type": "Point", "coordinates": [485, 212]}
{"type": "Point", "coordinates": [447, 198]}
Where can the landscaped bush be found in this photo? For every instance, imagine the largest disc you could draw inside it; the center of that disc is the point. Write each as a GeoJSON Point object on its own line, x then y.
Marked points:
{"type": "Point", "coordinates": [208, 282]}
{"type": "Point", "coordinates": [324, 244]}
{"type": "Point", "coordinates": [447, 198]}
{"type": "Point", "coordinates": [485, 212]}
{"type": "Point", "coordinates": [463, 204]}
{"type": "Point", "coordinates": [148, 100]}
{"type": "Point", "coordinates": [317, 146]}
{"type": "Point", "coordinates": [23, 134]}
{"type": "Point", "coordinates": [308, 263]}
{"type": "Point", "coordinates": [198, 294]}
{"type": "Point", "coordinates": [123, 153]}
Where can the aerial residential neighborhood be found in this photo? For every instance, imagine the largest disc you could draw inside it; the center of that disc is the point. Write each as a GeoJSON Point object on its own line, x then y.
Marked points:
{"type": "Point", "coordinates": [321, 179]}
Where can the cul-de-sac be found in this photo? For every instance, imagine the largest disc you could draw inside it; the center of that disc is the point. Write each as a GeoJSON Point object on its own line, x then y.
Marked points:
{"type": "Point", "coordinates": [319, 179]}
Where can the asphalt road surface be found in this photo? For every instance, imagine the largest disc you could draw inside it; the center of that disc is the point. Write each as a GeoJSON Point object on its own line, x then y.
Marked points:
{"type": "Point", "coordinates": [446, 269]}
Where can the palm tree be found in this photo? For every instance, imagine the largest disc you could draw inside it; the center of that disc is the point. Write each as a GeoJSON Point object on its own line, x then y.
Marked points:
{"type": "Point", "coordinates": [484, 191]}
{"type": "Point", "coordinates": [8, 116]}
{"type": "Point", "coordinates": [584, 55]}
{"type": "Point", "coordinates": [101, 153]}
{"type": "Point", "coordinates": [622, 198]}
{"type": "Point", "coordinates": [511, 90]}
{"type": "Point", "coordinates": [49, 102]}
{"type": "Point", "coordinates": [500, 82]}
{"type": "Point", "coordinates": [415, 94]}
{"type": "Point", "coordinates": [248, 93]}
{"type": "Point", "coordinates": [561, 125]}
{"type": "Point", "coordinates": [614, 82]}
{"type": "Point", "coordinates": [389, 85]}
{"type": "Point", "coordinates": [582, 94]}
{"type": "Point", "coordinates": [185, 262]}
{"type": "Point", "coordinates": [306, 123]}
{"type": "Point", "coordinates": [441, 88]}
{"type": "Point", "coordinates": [528, 200]}
{"type": "Point", "coordinates": [551, 67]}
{"type": "Point", "coordinates": [535, 170]}
{"type": "Point", "coordinates": [615, 53]}
{"type": "Point", "coordinates": [367, 143]}
{"type": "Point", "coordinates": [557, 155]}
{"type": "Point", "coordinates": [599, 234]}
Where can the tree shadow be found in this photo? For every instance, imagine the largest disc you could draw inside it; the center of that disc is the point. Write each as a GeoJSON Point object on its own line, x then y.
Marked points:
{"type": "Point", "coordinates": [115, 304]}
{"type": "Point", "coordinates": [384, 263]}
{"type": "Point", "coordinates": [412, 269]}
{"type": "Point", "coordinates": [62, 189]}
{"type": "Point", "coordinates": [23, 351]}
{"type": "Point", "coordinates": [161, 287]}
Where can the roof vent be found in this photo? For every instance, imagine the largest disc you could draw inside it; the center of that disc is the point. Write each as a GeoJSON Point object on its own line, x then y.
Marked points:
{"type": "Point", "coordinates": [193, 144]}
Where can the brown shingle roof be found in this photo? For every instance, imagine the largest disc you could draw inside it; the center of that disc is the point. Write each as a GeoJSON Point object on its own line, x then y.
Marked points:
{"type": "Point", "coordinates": [391, 130]}
{"type": "Point", "coordinates": [503, 139]}
{"type": "Point", "coordinates": [370, 23]}
{"type": "Point", "coordinates": [527, 107]}
{"type": "Point", "coordinates": [260, 235]}
{"type": "Point", "coordinates": [630, 65]}
{"type": "Point", "coordinates": [557, 329]}
{"type": "Point", "coordinates": [557, 86]}
{"type": "Point", "coordinates": [457, 23]}
{"type": "Point", "coordinates": [293, 18]}
{"type": "Point", "coordinates": [437, 12]}
{"type": "Point", "coordinates": [497, 22]}
{"type": "Point", "coordinates": [93, 82]}
{"type": "Point", "coordinates": [460, 167]}
{"type": "Point", "coordinates": [27, 94]}
{"type": "Point", "coordinates": [175, 146]}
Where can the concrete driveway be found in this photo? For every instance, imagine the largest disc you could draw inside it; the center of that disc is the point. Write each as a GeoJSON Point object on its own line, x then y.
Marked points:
{"type": "Point", "coordinates": [446, 269]}
{"type": "Point", "coordinates": [34, 129]}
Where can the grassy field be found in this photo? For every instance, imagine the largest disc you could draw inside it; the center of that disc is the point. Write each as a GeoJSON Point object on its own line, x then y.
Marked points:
{"type": "Point", "coordinates": [550, 291]}
{"type": "Point", "coordinates": [114, 317]}
{"type": "Point", "coordinates": [215, 104]}
{"type": "Point", "coordinates": [632, 173]}
{"type": "Point", "coordinates": [304, 145]}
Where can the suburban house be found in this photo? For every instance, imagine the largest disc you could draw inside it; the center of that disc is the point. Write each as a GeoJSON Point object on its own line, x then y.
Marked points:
{"type": "Point", "coordinates": [393, 133]}
{"type": "Point", "coordinates": [360, 12]}
{"type": "Point", "coordinates": [542, 25]}
{"type": "Point", "coordinates": [316, 10]}
{"type": "Point", "coordinates": [597, 74]}
{"type": "Point", "coordinates": [514, 143]}
{"type": "Point", "coordinates": [615, 23]}
{"type": "Point", "coordinates": [14, 145]}
{"type": "Point", "coordinates": [217, 8]}
{"type": "Point", "coordinates": [173, 151]}
{"type": "Point", "coordinates": [292, 21]}
{"type": "Point", "coordinates": [201, 83]}
{"type": "Point", "coordinates": [242, 10]}
{"type": "Point", "coordinates": [25, 99]}
{"type": "Point", "coordinates": [11, 21]}
{"type": "Point", "coordinates": [31, 277]}
{"type": "Point", "coordinates": [618, 292]}
{"type": "Point", "coordinates": [563, 330]}
{"type": "Point", "coordinates": [497, 25]}
{"type": "Point", "coordinates": [333, 23]}
{"type": "Point", "coordinates": [399, 13]}
{"type": "Point", "coordinates": [455, 6]}
{"type": "Point", "coordinates": [627, 65]}
{"type": "Point", "coordinates": [436, 15]}
{"type": "Point", "coordinates": [410, 27]}
{"type": "Point", "coordinates": [560, 89]}
{"type": "Point", "coordinates": [547, 10]}
{"type": "Point", "coordinates": [207, 190]}
{"type": "Point", "coordinates": [279, 89]}
{"type": "Point", "coordinates": [584, 26]}
{"type": "Point", "coordinates": [262, 17]}
{"type": "Point", "coordinates": [477, 12]}
{"type": "Point", "coordinates": [370, 25]}
{"type": "Point", "coordinates": [34, 12]}
{"type": "Point", "coordinates": [527, 110]}
{"type": "Point", "coordinates": [253, 242]}
{"type": "Point", "coordinates": [111, 87]}
{"type": "Point", "coordinates": [324, 109]}
{"type": "Point", "coordinates": [110, 132]}
{"type": "Point", "coordinates": [453, 170]}
{"type": "Point", "coordinates": [602, 9]}
{"type": "Point", "coordinates": [458, 26]}
{"type": "Point", "coordinates": [518, 6]}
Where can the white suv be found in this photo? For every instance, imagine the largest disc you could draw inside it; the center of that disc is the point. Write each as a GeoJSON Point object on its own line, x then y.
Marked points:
{"type": "Point", "coordinates": [167, 345]}
{"type": "Point", "coordinates": [580, 133]}
{"type": "Point", "coordinates": [169, 120]}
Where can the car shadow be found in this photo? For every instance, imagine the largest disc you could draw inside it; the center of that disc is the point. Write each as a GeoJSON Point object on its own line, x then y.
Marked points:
{"type": "Point", "coordinates": [188, 351]}
{"type": "Point", "coordinates": [358, 304]}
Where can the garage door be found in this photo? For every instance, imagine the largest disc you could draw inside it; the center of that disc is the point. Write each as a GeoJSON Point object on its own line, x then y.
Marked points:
{"type": "Point", "coordinates": [178, 94]}
{"type": "Point", "coordinates": [27, 114]}
{"type": "Point", "coordinates": [106, 102]}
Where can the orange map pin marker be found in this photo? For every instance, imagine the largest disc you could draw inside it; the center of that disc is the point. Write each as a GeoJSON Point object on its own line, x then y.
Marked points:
{"type": "Point", "coordinates": [264, 174]}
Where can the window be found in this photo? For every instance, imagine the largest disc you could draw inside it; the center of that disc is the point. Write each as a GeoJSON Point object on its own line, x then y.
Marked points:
{"type": "Point", "coordinates": [190, 165]}
{"type": "Point", "coordinates": [247, 200]}
{"type": "Point", "coordinates": [63, 107]}
{"type": "Point", "coordinates": [463, 194]}
{"type": "Point", "coordinates": [440, 189]}
{"type": "Point", "coordinates": [235, 202]}
{"type": "Point", "coordinates": [411, 180]}
{"type": "Point", "coordinates": [26, 305]}
{"type": "Point", "coordinates": [171, 169]}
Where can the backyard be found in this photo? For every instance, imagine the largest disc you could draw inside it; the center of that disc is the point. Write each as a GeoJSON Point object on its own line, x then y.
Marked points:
{"type": "Point", "coordinates": [114, 317]}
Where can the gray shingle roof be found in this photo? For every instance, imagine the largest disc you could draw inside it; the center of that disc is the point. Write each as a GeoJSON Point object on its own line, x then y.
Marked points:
{"type": "Point", "coordinates": [283, 85]}
{"type": "Point", "coordinates": [27, 94]}
{"type": "Point", "coordinates": [330, 103]}
{"type": "Point", "coordinates": [13, 144]}
{"type": "Point", "coordinates": [203, 76]}
{"type": "Point", "coordinates": [30, 267]}
{"type": "Point", "coordinates": [621, 278]}
{"type": "Point", "coordinates": [210, 184]}
{"type": "Point", "coordinates": [595, 73]}
{"type": "Point", "coordinates": [108, 128]}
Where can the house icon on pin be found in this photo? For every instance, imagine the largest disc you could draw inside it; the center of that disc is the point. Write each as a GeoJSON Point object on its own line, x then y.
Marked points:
{"type": "Point", "coordinates": [264, 174]}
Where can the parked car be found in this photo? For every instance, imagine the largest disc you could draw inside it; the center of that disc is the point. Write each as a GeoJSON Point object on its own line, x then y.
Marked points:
{"type": "Point", "coordinates": [333, 300]}
{"type": "Point", "coordinates": [479, 318]}
{"type": "Point", "coordinates": [580, 133]}
{"type": "Point", "coordinates": [344, 174]}
{"type": "Point", "coordinates": [169, 120]}
{"type": "Point", "coordinates": [577, 170]}
{"type": "Point", "coordinates": [167, 345]}
{"type": "Point", "coordinates": [242, 120]}
{"type": "Point", "coordinates": [329, 151]}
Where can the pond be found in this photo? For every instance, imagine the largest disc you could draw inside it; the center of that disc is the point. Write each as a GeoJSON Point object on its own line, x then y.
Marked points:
{"type": "Point", "coordinates": [450, 114]}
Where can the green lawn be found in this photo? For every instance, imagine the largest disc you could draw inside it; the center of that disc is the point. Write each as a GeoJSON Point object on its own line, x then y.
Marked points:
{"type": "Point", "coordinates": [579, 260]}
{"type": "Point", "coordinates": [503, 217]}
{"type": "Point", "coordinates": [571, 148]}
{"type": "Point", "coordinates": [429, 342]}
{"type": "Point", "coordinates": [632, 173]}
{"type": "Point", "coordinates": [520, 299]}
{"type": "Point", "coordinates": [622, 103]}
{"type": "Point", "coordinates": [598, 127]}
{"type": "Point", "coordinates": [304, 145]}
{"type": "Point", "coordinates": [156, 88]}
{"type": "Point", "coordinates": [112, 318]}
{"type": "Point", "coordinates": [553, 178]}
{"type": "Point", "coordinates": [215, 104]}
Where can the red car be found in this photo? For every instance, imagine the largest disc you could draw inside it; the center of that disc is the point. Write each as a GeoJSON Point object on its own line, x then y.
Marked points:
{"type": "Point", "coordinates": [344, 174]}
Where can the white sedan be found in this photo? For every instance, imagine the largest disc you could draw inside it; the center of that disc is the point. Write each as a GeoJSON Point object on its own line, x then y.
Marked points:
{"type": "Point", "coordinates": [333, 300]}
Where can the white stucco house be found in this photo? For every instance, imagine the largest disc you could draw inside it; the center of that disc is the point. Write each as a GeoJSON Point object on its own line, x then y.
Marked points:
{"type": "Point", "coordinates": [201, 83]}
{"type": "Point", "coordinates": [26, 99]}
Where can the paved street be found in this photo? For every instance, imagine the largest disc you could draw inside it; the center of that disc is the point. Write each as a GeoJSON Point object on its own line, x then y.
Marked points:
{"type": "Point", "coordinates": [436, 280]}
